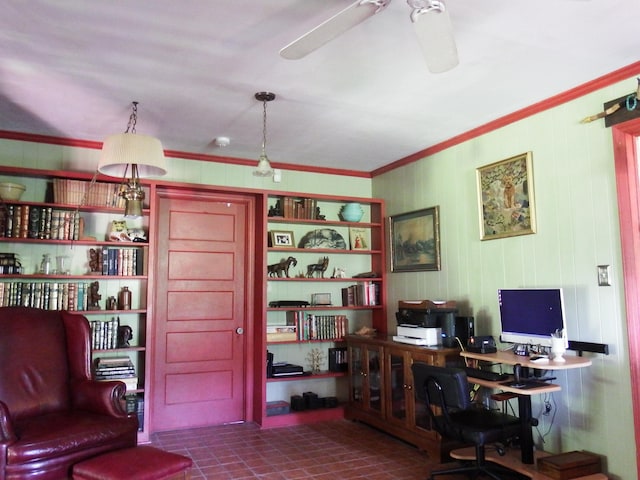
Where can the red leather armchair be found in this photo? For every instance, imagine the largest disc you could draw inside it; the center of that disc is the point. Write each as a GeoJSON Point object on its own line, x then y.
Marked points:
{"type": "Point", "coordinates": [52, 414]}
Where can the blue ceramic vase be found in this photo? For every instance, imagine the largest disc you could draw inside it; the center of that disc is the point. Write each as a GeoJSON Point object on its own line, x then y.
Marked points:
{"type": "Point", "coordinates": [352, 212]}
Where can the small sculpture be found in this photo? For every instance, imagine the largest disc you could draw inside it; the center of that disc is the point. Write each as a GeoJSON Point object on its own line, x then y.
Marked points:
{"type": "Point", "coordinates": [95, 264]}
{"type": "Point", "coordinates": [315, 358]}
{"type": "Point", "coordinates": [94, 296]}
{"type": "Point", "coordinates": [281, 268]}
{"type": "Point", "coordinates": [125, 334]}
{"type": "Point", "coordinates": [318, 268]}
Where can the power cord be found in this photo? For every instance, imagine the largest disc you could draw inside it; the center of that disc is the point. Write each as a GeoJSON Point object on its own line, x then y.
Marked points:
{"type": "Point", "coordinates": [547, 409]}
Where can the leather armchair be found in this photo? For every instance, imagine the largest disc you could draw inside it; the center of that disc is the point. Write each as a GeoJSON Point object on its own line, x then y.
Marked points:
{"type": "Point", "coordinates": [52, 414]}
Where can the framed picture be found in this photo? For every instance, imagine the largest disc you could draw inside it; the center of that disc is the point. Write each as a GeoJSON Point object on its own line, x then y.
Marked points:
{"type": "Point", "coordinates": [359, 238]}
{"type": "Point", "coordinates": [279, 238]}
{"type": "Point", "coordinates": [415, 240]}
{"type": "Point", "coordinates": [505, 198]}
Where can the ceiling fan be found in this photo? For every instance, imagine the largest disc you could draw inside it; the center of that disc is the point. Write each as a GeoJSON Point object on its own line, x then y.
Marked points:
{"type": "Point", "coordinates": [430, 19]}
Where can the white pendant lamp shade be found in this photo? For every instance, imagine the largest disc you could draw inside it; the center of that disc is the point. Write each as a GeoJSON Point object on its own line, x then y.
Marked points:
{"type": "Point", "coordinates": [264, 167]}
{"type": "Point", "coordinates": [121, 150]}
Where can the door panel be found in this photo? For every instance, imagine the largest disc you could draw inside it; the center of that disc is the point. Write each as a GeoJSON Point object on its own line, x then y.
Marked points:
{"type": "Point", "coordinates": [201, 306]}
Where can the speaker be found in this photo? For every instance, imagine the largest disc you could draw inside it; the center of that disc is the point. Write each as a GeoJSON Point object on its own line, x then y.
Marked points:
{"type": "Point", "coordinates": [456, 326]}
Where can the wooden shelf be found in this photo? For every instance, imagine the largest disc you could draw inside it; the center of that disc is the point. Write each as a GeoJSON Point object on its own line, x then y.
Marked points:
{"type": "Point", "coordinates": [313, 376]}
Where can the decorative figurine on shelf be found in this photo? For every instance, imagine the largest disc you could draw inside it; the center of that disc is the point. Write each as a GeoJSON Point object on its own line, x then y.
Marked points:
{"type": "Point", "coordinates": [276, 210]}
{"type": "Point", "coordinates": [339, 272]}
{"type": "Point", "coordinates": [281, 268]}
{"type": "Point", "coordinates": [318, 216]}
{"type": "Point", "coordinates": [94, 296]}
{"type": "Point", "coordinates": [315, 358]}
{"type": "Point", "coordinates": [318, 268]}
{"type": "Point", "coordinates": [125, 334]}
{"type": "Point", "coordinates": [95, 264]}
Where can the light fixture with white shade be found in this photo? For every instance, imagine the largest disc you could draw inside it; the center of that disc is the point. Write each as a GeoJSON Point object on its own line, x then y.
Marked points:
{"type": "Point", "coordinates": [139, 156]}
{"type": "Point", "coordinates": [264, 167]}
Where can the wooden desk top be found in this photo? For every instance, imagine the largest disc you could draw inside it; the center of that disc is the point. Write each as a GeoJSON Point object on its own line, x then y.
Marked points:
{"type": "Point", "coordinates": [510, 358]}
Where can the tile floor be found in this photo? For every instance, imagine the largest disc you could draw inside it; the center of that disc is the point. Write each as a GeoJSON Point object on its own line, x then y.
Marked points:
{"type": "Point", "coordinates": [325, 451]}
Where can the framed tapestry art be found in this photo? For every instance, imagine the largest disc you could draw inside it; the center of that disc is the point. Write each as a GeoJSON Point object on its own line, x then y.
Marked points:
{"type": "Point", "coordinates": [415, 240]}
{"type": "Point", "coordinates": [505, 198]}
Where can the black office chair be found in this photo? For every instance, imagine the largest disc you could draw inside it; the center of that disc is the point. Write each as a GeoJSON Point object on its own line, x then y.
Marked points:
{"type": "Point", "coordinates": [456, 417]}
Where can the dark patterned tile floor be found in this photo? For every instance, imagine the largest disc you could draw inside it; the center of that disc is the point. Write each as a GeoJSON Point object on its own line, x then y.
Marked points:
{"type": "Point", "coordinates": [324, 451]}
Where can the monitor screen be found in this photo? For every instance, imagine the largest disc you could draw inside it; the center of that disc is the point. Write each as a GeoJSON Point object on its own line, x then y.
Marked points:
{"type": "Point", "coordinates": [530, 316]}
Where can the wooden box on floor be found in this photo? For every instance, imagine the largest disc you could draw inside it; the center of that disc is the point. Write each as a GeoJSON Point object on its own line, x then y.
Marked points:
{"type": "Point", "coordinates": [565, 466]}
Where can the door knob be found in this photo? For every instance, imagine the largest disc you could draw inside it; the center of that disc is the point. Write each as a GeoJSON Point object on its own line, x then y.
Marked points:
{"type": "Point", "coordinates": [239, 330]}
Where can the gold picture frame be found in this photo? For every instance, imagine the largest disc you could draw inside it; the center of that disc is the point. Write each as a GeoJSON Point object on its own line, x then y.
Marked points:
{"type": "Point", "coordinates": [506, 198]}
{"type": "Point", "coordinates": [280, 238]}
{"type": "Point", "coordinates": [415, 240]}
{"type": "Point", "coordinates": [359, 238]}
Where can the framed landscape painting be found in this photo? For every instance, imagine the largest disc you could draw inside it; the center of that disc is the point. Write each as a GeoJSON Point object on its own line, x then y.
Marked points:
{"type": "Point", "coordinates": [505, 198]}
{"type": "Point", "coordinates": [415, 240]}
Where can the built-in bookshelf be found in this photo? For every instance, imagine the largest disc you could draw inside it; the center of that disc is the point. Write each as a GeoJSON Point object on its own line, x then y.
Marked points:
{"type": "Point", "coordinates": [325, 280]}
{"type": "Point", "coordinates": [59, 251]}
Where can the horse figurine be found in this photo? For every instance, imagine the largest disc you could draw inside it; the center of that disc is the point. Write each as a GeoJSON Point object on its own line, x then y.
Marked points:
{"type": "Point", "coordinates": [281, 268]}
{"type": "Point", "coordinates": [318, 268]}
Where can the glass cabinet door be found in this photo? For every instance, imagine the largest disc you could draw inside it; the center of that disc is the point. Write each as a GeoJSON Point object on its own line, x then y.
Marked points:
{"type": "Point", "coordinates": [374, 378]}
{"type": "Point", "coordinates": [398, 386]}
{"type": "Point", "coordinates": [356, 373]}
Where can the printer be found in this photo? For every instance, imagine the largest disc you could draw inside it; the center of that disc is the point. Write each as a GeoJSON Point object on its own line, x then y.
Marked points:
{"type": "Point", "coordinates": [431, 323]}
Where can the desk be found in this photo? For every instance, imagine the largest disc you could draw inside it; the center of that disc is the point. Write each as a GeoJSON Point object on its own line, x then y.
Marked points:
{"type": "Point", "coordinates": [524, 395]}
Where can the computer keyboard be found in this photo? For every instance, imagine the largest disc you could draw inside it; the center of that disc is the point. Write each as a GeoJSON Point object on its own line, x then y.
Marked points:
{"type": "Point", "coordinates": [485, 374]}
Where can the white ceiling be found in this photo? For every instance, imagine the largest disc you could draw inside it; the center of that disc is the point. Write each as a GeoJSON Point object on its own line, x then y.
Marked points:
{"type": "Point", "coordinates": [71, 68]}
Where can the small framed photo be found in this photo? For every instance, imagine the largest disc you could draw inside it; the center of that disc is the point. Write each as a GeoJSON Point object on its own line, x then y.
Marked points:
{"type": "Point", "coordinates": [415, 240]}
{"type": "Point", "coordinates": [278, 238]}
{"type": "Point", "coordinates": [505, 198]}
{"type": "Point", "coordinates": [359, 238]}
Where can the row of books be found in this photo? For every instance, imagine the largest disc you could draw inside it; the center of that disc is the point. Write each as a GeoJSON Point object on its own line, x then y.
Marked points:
{"type": "Point", "coordinates": [305, 208]}
{"type": "Point", "coordinates": [121, 261]}
{"type": "Point", "coordinates": [365, 293]}
{"type": "Point", "coordinates": [46, 295]}
{"type": "Point", "coordinates": [43, 223]}
{"type": "Point", "coordinates": [116, 368]}
{"type": "Point", "coordinates": [306, 326]}
{"type": "Point", "coordinates": [9, 264]}
{"type": "Point", "coordinates": [135, 405]}
{"type": "Point", "coordinates": [104, 334]}
{"type": "Point", "coordinates": [82, 192]}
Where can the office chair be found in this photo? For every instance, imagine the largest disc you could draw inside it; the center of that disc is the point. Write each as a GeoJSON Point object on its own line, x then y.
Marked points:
{"type": "Point", "coordinates": [454, 416]}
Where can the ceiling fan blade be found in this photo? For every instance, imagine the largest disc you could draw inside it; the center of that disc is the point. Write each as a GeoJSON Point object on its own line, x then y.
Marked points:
{"type": "Point", "coordinates": [435, 35]}
{"type": "Point", "coordinates": [329, 29]}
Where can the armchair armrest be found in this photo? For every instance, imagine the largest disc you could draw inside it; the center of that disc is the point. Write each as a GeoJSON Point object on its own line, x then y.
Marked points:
{"type": "Point", "coordinates": [7, 433]}
{"type": "Point", "coordinates": [106, 398]}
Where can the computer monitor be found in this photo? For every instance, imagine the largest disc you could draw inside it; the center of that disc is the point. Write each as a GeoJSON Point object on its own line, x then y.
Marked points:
{"type": "Point", "coordinates": [530, 315]}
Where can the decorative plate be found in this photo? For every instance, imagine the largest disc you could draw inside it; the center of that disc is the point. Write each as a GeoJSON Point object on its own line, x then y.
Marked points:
{"type": "Point", "coordinates": [323, 238]}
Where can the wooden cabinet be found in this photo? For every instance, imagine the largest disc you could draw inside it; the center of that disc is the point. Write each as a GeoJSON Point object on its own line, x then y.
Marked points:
{"type": "Point", "coordinates": [72, 265]}
{"type": "Point", "coordinates": [381, 369]}
{"type": "Point", "coordinates": [325, 279]}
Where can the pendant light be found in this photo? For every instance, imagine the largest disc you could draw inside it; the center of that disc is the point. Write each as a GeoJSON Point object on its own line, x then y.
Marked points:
{"type": "Point", "coordinates": [132, 156]}
{"type": "Point", "coordinates": [264, 167]}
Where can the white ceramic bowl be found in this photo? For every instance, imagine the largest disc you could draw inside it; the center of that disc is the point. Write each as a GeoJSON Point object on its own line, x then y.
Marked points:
{"type": "Point", "coordinates": [11, 192]}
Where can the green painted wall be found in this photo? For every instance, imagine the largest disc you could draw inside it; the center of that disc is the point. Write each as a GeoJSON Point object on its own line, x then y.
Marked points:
{"type": "Point", "coordinates": [52, 157]}
{"type": "Point", "coordinates": [577, 229]}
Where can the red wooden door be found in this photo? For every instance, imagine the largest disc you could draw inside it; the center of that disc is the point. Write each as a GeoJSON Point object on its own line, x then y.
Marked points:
{"type": "Point", "coordinates": [200, 304]}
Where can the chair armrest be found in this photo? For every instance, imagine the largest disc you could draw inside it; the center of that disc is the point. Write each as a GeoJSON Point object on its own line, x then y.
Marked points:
{"type": "Point", "coordinates": [7, 433]}
{"type": "Point", "coordinates": [106, 398]}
